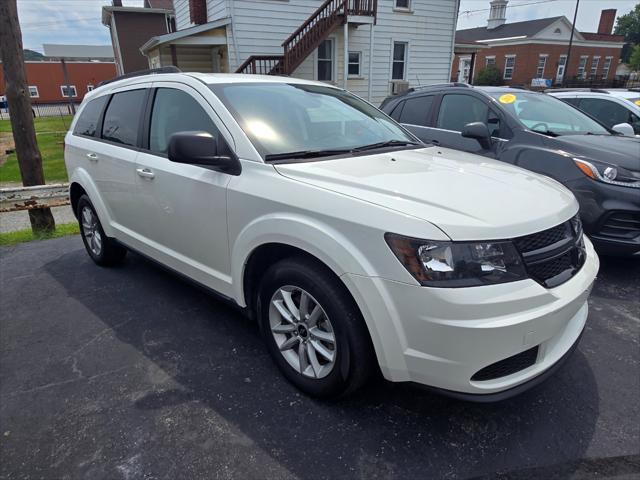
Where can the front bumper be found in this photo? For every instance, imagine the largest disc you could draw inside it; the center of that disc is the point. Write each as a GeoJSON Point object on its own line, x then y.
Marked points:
{"type": "Point", "coordinates": [605, 211]}
{"type": "Point", "coordinates": [441, 337]}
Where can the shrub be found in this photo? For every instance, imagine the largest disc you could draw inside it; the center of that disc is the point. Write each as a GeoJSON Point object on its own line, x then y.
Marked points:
{"type": "Point", "coordinates": [489, 76]}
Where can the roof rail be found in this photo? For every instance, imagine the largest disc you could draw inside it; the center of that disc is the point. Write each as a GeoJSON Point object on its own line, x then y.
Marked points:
{"type": "Point", "coordinates": [439, 85]}
{"type": "Point", "coordinates": [138, 73]}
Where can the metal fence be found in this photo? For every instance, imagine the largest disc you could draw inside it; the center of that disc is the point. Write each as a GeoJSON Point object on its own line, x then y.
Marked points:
{"type": "Point", "coordinates": [43, 110]}
{"type": "Point", "coordinates": [598, 82]}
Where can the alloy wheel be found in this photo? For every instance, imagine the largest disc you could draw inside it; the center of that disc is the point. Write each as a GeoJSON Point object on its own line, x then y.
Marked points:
{"type": "Point", "coordinates": [302, 331]}
{"type": "Point", "coordinates": [91, 231]}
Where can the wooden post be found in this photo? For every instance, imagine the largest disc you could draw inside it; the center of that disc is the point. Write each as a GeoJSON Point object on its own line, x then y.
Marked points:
{"type": "Point", "coordinates": [24, 133]}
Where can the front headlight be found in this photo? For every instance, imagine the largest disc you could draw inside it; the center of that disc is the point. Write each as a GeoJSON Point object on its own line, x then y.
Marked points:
{"type": "Point", "coordinates": [606, 173]}
{"type": "Point", "coordinates": [457, 264]}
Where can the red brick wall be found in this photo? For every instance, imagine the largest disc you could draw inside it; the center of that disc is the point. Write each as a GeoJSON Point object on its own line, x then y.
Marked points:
{"type": "Point", "coordinates": [527, 60]}
{"type": "Point", "coordinates": [48, 77]}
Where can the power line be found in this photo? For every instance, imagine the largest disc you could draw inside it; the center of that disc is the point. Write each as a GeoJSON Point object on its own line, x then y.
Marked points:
{"type": "Point", "coordinates": [469, 12]}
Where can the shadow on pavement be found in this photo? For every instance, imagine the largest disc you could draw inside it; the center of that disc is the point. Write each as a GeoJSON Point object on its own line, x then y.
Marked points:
{"type": "Point", "coordinates": [215, 357]}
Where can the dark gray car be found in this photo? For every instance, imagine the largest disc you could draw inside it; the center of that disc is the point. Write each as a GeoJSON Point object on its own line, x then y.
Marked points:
{"type": "Point", "coordinates": [543, 134]}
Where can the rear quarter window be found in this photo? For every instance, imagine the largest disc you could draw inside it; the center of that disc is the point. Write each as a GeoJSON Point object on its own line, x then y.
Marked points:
{"type": "Point", "coordinates": [88, 121]}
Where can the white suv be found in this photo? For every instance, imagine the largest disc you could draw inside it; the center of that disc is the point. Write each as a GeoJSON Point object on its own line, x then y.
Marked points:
{"type": "Point", "coordinates": [354, 245]}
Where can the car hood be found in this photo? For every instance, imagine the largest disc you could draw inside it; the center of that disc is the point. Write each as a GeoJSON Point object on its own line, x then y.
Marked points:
{"type": "Point", "coordinates": [467, 196]}
{"type": "Point", "coordinates": [613, 149]}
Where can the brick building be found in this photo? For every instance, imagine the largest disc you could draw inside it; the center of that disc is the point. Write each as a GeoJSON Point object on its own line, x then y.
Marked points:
{"type": "Point", "coordinates": [537, 49]}
{"type": "Point", "coordinates": [47, 85]}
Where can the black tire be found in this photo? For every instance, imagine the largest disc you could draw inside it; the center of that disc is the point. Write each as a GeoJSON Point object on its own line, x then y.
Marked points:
{"type": "Point", "coordinates": [110, 252]}
{"type": "Point", "coordinates": [354, 355]}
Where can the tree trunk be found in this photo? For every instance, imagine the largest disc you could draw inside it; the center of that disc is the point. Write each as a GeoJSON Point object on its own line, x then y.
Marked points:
{"type": "Point", "coordinates": [17, 93]}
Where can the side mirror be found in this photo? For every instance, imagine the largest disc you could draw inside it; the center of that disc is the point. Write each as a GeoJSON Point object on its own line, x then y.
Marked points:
{"type": "Point", "coordinates": [624, 129]}
{"type": "Point", "coordinates": [200, 148]}
{"type": "Point", "coordinates": [480, 132]}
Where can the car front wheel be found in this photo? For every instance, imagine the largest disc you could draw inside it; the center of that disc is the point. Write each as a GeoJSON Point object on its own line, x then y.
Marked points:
{"type": "Point", "coordinates": [313, 329]}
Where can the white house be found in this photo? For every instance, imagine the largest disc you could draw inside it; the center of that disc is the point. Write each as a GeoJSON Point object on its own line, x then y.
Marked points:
{"type": "Point", "coordinates": [372, 48]}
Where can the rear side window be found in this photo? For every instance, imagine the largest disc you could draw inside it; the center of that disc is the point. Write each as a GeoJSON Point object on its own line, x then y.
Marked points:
{"type": "Point", "coordinates": [176, 111]}
{"type": "Point", "coordinates": [458, 110]}
{"type": "Point", "coordinates": [88, 121]}
{"type": "Point", "coordinates": [415, 110]}
{"type": "Point", "coordinates": [122, 118]}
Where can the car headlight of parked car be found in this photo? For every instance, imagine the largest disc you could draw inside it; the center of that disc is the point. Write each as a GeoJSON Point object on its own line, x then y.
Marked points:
{"type": "Point", "coordinates": [458, 264]}
{"type": "Point", "coordinates": [606, 173]}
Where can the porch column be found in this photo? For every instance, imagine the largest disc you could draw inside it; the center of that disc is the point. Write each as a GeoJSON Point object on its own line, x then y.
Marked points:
{"type": "Point", "coordinates": [472, 68]}
{"type": "Point", "coordinates": [346, 53]}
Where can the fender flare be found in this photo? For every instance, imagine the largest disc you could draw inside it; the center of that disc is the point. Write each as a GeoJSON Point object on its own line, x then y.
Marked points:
{"type": "Point", "coordinates": [329, 245]}
{"type": "Point", "coordinates": [82, 178]}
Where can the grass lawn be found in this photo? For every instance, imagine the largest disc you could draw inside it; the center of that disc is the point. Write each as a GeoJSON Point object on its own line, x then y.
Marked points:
{"type": "Point", "coordinates": [21, 236]}
{"type": "Point", "coordinates": [50, 132]}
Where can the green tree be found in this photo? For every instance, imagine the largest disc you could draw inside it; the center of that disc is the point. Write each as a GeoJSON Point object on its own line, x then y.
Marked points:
{"type": "Point", "coordinates": [629, 26]}
{"type": "Point", "coordinates": [634, 60]}
{"type": "Point", "coordinates": [489, 76]}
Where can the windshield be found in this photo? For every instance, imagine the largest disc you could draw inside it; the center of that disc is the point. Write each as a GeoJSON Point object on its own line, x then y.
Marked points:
{"type": "Point", "coordinates": [546, 114]}
{"type": "Point", "coordinates": [281, 118]}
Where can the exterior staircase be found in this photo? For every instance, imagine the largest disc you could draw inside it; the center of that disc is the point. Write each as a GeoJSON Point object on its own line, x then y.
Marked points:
{"type": "Point", "coordinates": [301, 43]}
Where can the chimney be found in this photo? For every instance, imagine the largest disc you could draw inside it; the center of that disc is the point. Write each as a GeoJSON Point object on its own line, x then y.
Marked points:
{"type": "Point", "coordinates": [116, 3]}
{"type": "Point", "coordinates": [607, 19]}
{"type": "Point", "coordinates": [498, 14]}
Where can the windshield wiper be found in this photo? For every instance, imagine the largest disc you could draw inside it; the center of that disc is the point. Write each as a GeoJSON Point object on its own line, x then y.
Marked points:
{"type": "Point", "coordinates": [388, 143]}
{"type": "Point", "coordinates": [551, 133]}
{"type": "Point", "coordinates": [306, 154]}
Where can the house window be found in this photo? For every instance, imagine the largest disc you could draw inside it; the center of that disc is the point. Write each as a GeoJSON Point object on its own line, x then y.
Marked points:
{"type": "Point", "coordinates": [490, 62]}
{"type": "Point", "coordinates": [89, 87]}
{"type": "Point", "coordinates": [509, 66]}
{"type": "Point", "coordinates": [399, 67]}
{"type": "Point", "coordinates": [582, 65]}
{"type": "Point", "coordinates": [606, 67]}
{"type": "Point", "coordinates": [33, 91]}
{"type": "Point", "coordinates": [65, 91]}
{"type": "Point", "coordinates": [402, 4]}
{"type": "Point", "coordinates": [557, 31]}
{"type": "Point", "coordinates": [325, 60]}
{"type": "Point", "coordinates": [354, 64]}
{"type": "Point", "coordinates": [542, 62]}
{"type": "Point", "coordinates": [594, 66]}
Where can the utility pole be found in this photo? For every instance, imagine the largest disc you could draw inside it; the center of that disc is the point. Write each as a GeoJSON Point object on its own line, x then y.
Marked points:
{"type": "Point", "coordinates": [573, 29]}
{"type": "Point", "coordinates": [24, 133]}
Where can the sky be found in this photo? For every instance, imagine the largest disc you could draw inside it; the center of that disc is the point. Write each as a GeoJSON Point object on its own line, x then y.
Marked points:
{"type": "Point", "coordinates": [79, 21]}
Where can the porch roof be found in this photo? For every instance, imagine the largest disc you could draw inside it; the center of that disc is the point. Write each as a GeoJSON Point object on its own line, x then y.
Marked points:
{"type": "Point", "coordinates": [182, 36]}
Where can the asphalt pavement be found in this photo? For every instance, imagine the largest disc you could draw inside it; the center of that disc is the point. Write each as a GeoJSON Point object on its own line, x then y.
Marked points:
{"type": "Point", "coordinates": [131, 372]}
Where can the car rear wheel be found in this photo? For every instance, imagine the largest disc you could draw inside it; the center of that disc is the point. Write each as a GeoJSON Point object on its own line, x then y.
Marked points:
{"type": "Point", "coordinates": [102, 250]}
{"type": "Point", "coordinates": [313, 329]}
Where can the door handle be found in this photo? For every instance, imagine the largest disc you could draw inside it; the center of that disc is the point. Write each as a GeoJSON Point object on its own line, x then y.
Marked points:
{"type": "Point", "coordinates": [145, 172]}
{"type": "Point", "coordinates": [92, 156]}
{"type": "Point", "coordinates": [435, 142]}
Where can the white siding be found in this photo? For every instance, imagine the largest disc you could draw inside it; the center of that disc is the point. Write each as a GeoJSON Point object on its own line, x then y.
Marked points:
{"type": "Point", "coordinates": [181, 7]}
{"type": "Point", "coordinates": [260, 26]}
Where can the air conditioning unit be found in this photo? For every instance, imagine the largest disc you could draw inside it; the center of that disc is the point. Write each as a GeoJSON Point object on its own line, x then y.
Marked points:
{"type": "Point", "coordinates": [399, 86]}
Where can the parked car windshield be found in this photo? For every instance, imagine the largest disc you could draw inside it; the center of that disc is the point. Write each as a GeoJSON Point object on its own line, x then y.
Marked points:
{"type": "Point", "coordinates": [281, 118]}
{"type": "Point", "coordinates": [546, 114]}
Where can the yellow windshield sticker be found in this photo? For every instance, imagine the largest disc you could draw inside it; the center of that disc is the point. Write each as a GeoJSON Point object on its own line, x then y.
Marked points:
{"type": "Point", "coordinates": [637, 102]}
{"type": "Point", "coordinates": [507, 98]}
